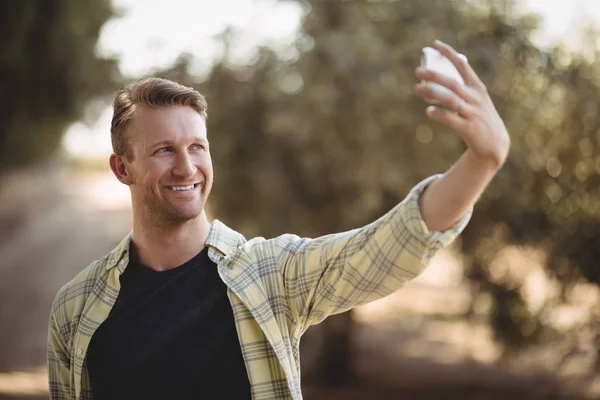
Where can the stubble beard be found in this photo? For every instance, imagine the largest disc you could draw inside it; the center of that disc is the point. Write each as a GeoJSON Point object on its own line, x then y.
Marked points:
{"type": "Point", "coordinates": [163, 215]}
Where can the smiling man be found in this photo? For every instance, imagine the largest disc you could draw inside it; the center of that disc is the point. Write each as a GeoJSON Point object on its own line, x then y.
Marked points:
{"type": "Point", "coordinates": [187, 308]}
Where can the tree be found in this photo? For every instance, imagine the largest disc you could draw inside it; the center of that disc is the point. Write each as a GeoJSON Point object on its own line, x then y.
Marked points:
{"type": "Point", "coordinates": [332, 139]}
{"type": "Point", "coordinates": [49, 71]}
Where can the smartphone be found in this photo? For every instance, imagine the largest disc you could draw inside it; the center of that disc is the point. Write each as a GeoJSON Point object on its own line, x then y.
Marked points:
{"type": "Point", "coordinates": [435, 61]}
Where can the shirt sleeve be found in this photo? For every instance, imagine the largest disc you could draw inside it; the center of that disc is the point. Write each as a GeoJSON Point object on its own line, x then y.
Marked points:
{"type": "Point", "coordinates": [334, 273]}
{"type": "Point", "coordinates": [58, 363]}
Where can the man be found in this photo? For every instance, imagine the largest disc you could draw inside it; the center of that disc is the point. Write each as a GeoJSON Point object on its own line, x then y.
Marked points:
{"type": "Point", "coordinates": [185, 308]}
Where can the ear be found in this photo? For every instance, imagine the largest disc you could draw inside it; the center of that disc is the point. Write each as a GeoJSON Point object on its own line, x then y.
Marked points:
{"type": "Point", "coordinates": [119, 168]}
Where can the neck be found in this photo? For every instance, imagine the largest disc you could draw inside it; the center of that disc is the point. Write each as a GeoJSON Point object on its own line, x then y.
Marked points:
{"type": "Point", "coordinates": [166, 246]}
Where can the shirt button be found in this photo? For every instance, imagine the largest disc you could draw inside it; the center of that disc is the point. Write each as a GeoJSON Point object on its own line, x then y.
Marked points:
{"type": "Point", "coordinates": [79, 352]}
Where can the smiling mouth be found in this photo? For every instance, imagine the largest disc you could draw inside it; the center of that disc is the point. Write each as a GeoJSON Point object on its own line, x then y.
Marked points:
{"type": "Point", "coordinates": [183, 188]}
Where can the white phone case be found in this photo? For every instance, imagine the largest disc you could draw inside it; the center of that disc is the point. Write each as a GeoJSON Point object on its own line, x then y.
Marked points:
{"type": "Point", "coordinates": [435, 61]}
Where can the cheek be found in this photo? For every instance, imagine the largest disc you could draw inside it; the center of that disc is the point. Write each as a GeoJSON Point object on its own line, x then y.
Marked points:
{"type": "Point", "coordinates": [205, 165]}
{"type": "Point", "coordinates": [155, 171]}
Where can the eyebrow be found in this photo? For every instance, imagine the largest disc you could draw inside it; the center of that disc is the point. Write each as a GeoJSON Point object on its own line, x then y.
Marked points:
{"type": "Point", "coordinates": [160, 144]}
{"type": "Point", "coordinates": [171, 143]}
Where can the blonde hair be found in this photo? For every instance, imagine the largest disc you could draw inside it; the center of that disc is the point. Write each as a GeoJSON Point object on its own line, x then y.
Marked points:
{"type": "Point", "coordinates": [151, 92]}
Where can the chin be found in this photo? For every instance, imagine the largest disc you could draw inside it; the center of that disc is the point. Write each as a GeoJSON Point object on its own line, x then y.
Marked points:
{"type": "Point", "coordinates": [174, 214]}
{"type": "Point", "coordinates": [186, 213]}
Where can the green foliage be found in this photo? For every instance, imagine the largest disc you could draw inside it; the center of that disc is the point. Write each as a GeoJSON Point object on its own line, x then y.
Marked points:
{"type": "Point", "coordinates": [49, 70]}
{"type": "Point", "coordinates": [332, 138]}
{"type": "Point", "coordinates": [327, 136]}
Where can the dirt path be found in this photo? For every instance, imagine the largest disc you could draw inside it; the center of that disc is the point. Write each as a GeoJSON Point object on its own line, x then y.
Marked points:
{"type": "Point", "coordinates": [61, 233]}
{"type": "Point", "coordinates": [54, 223]}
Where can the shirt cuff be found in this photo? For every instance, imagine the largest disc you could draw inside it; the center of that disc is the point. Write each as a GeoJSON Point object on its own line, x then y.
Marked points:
{"type": "Point", "coordinates": [414, 222]}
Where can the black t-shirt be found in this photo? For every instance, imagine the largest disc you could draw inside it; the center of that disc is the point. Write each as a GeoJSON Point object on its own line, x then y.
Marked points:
{"type": "Point", "coordinates": [170, 335]}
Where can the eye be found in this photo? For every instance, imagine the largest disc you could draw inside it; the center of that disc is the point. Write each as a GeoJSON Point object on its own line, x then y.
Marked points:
{"type": "Point", "coordinates": [198, 147]}
{"type": "Point", "coordinates": [163, 150]}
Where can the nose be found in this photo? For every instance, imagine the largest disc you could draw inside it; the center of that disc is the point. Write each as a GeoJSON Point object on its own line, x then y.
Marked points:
{"type": "Point", "coordinates": [184, 166]}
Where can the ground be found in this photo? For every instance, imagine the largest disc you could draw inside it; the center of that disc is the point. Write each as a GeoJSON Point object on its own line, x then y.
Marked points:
{"type": "Point", "coordinates": [55, 222]}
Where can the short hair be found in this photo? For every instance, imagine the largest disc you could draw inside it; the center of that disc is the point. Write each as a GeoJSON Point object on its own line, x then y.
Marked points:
{"type": "Point", "coordinates": [150, 92]}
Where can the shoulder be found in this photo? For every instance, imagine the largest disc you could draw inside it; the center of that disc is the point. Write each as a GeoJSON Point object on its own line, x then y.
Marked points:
{"type": "Point", "coordinates": [73, 295]}
{"type": "Point", "coordinates": [281, 242]}
{"type": "Point", "coordinates": [279, 248]}
{"type": "Point", "coordinates": [70, 300]}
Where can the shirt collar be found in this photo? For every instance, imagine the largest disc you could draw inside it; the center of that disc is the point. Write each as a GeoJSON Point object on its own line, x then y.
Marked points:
{"type": "Point", "coordinates": [221, 237]}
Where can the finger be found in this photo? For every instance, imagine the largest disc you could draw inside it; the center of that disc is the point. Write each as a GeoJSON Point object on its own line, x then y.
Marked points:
{"type": "Point", "coordinates": [452, 84]}
{"type": "Point", "coordinates": [460, 62]}
{"type": "Point", "coordinates": [448, 118]}
{"type": "Point", "coordinates": [445, 98]}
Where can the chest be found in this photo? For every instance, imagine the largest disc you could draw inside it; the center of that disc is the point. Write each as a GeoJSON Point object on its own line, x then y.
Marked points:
{"type": "Point", "coordinates": [243, 314]}
{"type": "Point", "coordinates": [169, 336]}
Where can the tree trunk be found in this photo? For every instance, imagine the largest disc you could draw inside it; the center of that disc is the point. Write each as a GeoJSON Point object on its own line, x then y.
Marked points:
{"type": "Point", "coordinates": [334, 362]}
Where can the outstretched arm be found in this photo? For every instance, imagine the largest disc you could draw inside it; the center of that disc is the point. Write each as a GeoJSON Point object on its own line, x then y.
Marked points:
{"type": "Point", "coordinates": [469, 110]}
{"type": "Point", "coordinates": [337, 272]}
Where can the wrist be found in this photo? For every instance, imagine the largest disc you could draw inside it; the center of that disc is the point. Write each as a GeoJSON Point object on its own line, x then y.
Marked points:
{"type": "Point", "coordinates": [490, 164]}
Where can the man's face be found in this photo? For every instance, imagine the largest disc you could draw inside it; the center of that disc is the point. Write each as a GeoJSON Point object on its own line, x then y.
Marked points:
{"type": "Point", "coordinates": [171, 172]}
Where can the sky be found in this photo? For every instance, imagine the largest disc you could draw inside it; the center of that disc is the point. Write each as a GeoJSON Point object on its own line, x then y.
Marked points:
{"type": "Point", "coordinates": [151, 34]}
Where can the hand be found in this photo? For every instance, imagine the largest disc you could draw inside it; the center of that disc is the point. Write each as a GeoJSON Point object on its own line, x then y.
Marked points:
{"type": "Point", "coordinates": [468, 108]}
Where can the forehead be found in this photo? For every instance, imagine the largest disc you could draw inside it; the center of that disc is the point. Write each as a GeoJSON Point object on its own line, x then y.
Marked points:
{"type": "Point", "coordinates": [177, 123]}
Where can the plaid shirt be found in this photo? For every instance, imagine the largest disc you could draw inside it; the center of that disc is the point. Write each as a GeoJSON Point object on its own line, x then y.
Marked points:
{"type": "Point", "coordinates": [277, 288]}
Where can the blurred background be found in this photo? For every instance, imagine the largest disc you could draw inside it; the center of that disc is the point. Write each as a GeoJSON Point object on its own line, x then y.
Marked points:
{"type": "Point", "coordinates": [314, 129]}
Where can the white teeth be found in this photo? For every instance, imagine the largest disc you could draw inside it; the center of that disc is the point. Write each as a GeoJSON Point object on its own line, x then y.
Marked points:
{"type": "Point", "coordinates": [181, 188]}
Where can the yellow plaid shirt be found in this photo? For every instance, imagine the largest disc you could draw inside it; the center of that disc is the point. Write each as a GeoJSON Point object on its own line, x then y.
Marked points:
{"type": "Point", "coordinates": [277, 288]}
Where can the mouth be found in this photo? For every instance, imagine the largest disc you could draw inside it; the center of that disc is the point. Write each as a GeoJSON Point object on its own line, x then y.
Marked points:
{"type": "Point", "coordinates": [184, 188]}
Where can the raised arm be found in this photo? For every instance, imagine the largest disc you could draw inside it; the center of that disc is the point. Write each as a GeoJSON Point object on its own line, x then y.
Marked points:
{"type": "Point", "coordinates": [337, 272]}
{"type": "Point", "coordinates": [334, 273]}
{"type": "Point", "coordinates": [468, 109]}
